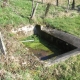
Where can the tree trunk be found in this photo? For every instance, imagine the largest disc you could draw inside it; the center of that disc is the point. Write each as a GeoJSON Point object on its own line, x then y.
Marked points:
{"type": "Point", "coordinates": [73, 4]}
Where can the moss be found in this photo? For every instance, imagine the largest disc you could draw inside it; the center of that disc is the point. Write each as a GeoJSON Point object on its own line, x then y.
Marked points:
{"type": "Point", "coordinates": [36, 44]}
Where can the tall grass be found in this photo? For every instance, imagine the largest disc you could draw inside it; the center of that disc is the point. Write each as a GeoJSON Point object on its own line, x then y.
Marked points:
{"type": "Point", "coordinates": [22, 65]}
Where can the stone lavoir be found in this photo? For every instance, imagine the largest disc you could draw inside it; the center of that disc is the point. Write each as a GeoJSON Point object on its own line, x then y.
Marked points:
{"type": "Point", "coordinates": [66, 44]}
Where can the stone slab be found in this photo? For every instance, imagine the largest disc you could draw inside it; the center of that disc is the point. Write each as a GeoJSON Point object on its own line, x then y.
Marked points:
{"type": "Point", "coordinates": [69, 38]}
{"type": "Point", "coordinates": [63, 57]}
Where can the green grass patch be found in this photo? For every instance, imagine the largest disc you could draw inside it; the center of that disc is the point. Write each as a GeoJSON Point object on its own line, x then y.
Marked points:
{"type": "Point", "coordinates": [67, 24]}
{"type": "Point", "coordinates": [16, 13]}
{"type": "Point", "coordinates": [36, 44]}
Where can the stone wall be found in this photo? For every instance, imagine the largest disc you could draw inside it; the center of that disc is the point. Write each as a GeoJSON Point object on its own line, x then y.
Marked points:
{"type": "Point", "coordinates": [55, 40]}
{"type": "Point", "coordinates": [25, 30]}
{"type": "Point", "coordinates": [70, 44]}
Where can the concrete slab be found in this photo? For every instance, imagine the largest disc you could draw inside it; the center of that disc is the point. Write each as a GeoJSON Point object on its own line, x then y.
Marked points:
{"type": "Point", "coordinates": [63, 57]}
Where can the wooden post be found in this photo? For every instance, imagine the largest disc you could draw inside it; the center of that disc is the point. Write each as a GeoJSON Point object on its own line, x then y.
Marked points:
{"type": "Point", "coordinates": [57, 2]}
{"type": "Point", "coordinates": [32, 6]}
{"type": "Point", "coordinates": [47, 9]}
{"type": "Point", "coordinates": [2, 46]}
{"type": "Point", "coordinates": [73, 4]}
{"type": "Point", "coordinates": [33, 9]}
{"type": "Point", "coordinates": [68, 6]}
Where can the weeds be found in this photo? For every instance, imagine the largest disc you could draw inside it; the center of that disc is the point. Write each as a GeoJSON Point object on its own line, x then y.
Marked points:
{"type": "Point", "coordinates": [19, 63]}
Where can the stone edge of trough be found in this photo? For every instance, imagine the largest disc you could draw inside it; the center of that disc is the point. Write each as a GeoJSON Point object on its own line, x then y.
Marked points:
{"type": "Point", "coordinates": [63, 57]}
{"type": "Point", "coordinates": [63, 35]}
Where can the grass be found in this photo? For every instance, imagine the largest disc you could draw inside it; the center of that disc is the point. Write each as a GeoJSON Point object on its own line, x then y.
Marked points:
{"type": "Point", "coordinates": [15, 13]}
{"type": "Point", "coordinates": [68, 70]}
{"type": "Point", "coordinates": [19, 64]}
{"type": "Point", "coordinates": [67, 24]}
{"type": "Point", "coordinates": [36, 44]}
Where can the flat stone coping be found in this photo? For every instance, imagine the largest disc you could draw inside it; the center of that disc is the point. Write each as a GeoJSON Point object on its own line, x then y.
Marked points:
{"type": "Point", "coordinates": [69, 38]}
{"type": "Point", "coordinates": [62, 57]}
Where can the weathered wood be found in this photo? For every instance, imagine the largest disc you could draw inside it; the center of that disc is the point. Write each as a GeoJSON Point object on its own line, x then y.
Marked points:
{"type": "Point", "coordinates": [47, 9]}
{"type": "Point", "coordinates": [68, 5]}
{"type": "Point", "coordinates": [2, 46]}
{"type": "Point", "coordinates": [57, 2]}
{"type": "Point", "coordinates": [32, 6]}
{"type": "Point", "coordinates": [73, 4]}
{"type": "Point", "coordinates": [34, 9]}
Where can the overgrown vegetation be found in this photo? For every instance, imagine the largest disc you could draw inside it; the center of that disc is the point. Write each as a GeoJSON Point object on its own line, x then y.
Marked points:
{"type": "Point", "coordinates": [19, 63]}
{"type": "Point", "coordinates": [15, 14]}
{"type": "Point", "coordinates": [35, 44]}
{"type": "Point", "coordinates": [39, 46]}
{"type": "Point", "coordinates": [63, 71]}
